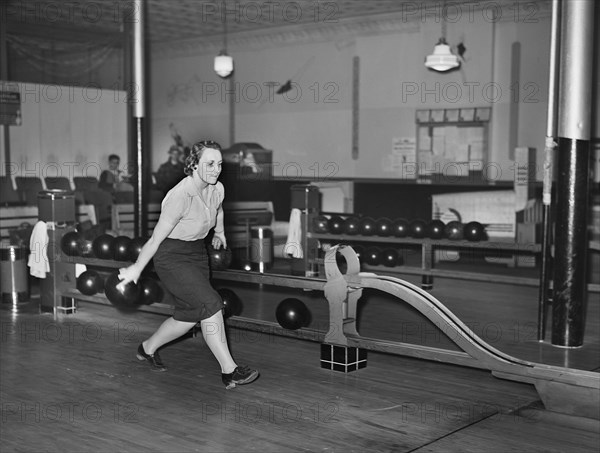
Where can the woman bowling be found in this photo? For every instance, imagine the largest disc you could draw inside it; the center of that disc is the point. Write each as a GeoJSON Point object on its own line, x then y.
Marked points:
{"type": "Point", "coordinates": [189, 211]}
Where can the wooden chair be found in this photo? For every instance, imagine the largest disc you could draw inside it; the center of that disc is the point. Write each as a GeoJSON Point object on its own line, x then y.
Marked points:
{"type": "Point", "coordinates": [84, 183]}
{"type": "Point", "coordinates": [8, 195]}
{"type": "Point", "coordinates": [28, 188]}
{"type": "Point", "coordinates": [58, 182]}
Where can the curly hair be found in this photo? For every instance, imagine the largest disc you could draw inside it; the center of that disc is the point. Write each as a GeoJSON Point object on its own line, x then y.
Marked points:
{"type": "Point", "coordinates": [192, 159]}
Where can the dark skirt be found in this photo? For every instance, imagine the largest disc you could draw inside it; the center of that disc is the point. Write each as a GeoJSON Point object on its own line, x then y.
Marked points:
{"type": "Point", "coordinates": [182, 267]}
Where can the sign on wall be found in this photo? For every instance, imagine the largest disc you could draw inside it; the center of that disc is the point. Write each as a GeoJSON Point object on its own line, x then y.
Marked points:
{"type": "Point", "coordinates": [10, 104]}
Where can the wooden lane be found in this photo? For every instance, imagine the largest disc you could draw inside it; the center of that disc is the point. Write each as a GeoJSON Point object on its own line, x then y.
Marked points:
{"type": "Point", "coordinates": [396, 404]}
{"type": "Point", "coordinates": [548, 380]}
{"type": "Point", "coordinates": [504, 316]}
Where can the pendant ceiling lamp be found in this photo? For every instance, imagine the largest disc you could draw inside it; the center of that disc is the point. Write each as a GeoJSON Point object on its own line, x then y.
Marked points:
{"type": "Point", "coordinates": [224, 62]}
{"type": "Point", "coordinates": [442, 59]}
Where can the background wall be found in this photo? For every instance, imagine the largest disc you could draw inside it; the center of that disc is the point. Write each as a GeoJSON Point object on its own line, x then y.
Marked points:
{"type": "Point", "coordinates": [309, 128]}
{"type": "Point", "coordinates": [314, 125]}
{"type": "Point", "coordinates": [67, 131]}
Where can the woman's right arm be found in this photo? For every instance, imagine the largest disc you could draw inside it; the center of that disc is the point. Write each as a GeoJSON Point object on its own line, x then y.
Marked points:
{"type": "Point", "coordinates": [132, 273]}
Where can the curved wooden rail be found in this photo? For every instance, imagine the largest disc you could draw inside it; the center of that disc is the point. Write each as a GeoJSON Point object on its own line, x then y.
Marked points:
{"type": "Point", "coordinates": [561, 389]}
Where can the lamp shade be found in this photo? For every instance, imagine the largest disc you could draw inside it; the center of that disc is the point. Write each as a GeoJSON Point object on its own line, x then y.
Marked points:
{"type": "Point", "coordinates": [442, 59]}
{"type": "Point", "coordinates": [223, 64]}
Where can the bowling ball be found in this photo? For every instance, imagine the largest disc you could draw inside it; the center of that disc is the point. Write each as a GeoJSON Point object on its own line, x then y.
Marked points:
{"type": "Point", "coordinates": [335, 225]}
{"type": "Point", "coordinates": [121, 248]}
{"type": "Point", "coordinates": [292, 314]}
{"type": "Point", "coordinates": [320, 224]}
{"type": "Point", "coordinates": [90, 283]}
{"type": "Point", "coordinates": [435, 229]}
{"type": "Point", "coordinates": [474, 231]}
{"type": "Point", "coordinates": [400, 228]}
{"type": "Point", "coordinates": [103, 247]}
{"type": "Point", "coordinates": [127, 297]}
{"type": "Point", "coordinates": [150, 291]}
{"type": "Point", "coordinates": [220, 259]}
{"type": "Point", "coordinates": [232, 305]}
{"type": "Point", "coordinates": [390, 257]}
{"type": "Point", "coordinates": [383, 227]}
{"type": "Point", "coordinates": [367, 226]}
{"type": "Point", "coordinates": [135, 247]}
{"type": "Point", "coordinates": [418, 228]}
{"type": "Point", "coordinates": [454, 230]}
{"type": "Point", "coordinates": [372, 256]}
{"type": "Point", "coordinates": [359, 250]}
{"type": "Point", "coordinates": [351, 225]}
{"type": "Point", "coordinates": [85, 248]}
{"type": "Point", "coordinates": [69, 243]}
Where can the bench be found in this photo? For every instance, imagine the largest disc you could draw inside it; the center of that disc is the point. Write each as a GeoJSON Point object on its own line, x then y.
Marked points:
{"type": "Point", "coordinates": [123, 218]}
{"type": "Point", "coordinates": [13, 217]}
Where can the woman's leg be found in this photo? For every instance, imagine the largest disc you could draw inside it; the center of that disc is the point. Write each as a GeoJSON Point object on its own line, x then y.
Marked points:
{"type": "Point", "coordinates": [213, 331]}
{"type": "Point", "coordinates": [168, 331]}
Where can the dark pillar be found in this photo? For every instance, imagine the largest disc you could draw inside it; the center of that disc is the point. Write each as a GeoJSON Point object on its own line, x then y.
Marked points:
{"type": "Point", "coordinates": [549, 152]}
{"type": "Point", "coordinates": [138, 109]}
{"type": "Point", "coordinates": [4, 76]}
{"type": "Point", "coordinates": [574, 121]}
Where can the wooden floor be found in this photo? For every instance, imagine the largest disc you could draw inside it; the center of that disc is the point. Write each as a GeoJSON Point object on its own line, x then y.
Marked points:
{"type": "Point", "coordinates": [74, 385]}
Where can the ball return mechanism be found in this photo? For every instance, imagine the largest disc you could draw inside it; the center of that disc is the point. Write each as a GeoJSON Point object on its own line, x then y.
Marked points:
{"type": "Point", "coordinates": [564, 390]}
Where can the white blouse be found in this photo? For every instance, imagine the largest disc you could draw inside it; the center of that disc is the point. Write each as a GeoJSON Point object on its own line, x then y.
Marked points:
{"type": "Point", "coordinates": [191, 216]}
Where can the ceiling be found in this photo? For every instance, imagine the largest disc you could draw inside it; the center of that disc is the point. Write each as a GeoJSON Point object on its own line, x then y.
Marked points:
{"type": "Point", "coordinates": [171, 20]}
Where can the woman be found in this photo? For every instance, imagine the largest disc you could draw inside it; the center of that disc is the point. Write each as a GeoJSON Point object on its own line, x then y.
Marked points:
{"type": "Point", "coordinates": [189, 211]}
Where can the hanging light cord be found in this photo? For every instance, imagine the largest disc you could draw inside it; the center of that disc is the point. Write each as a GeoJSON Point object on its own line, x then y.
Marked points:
{"type": "Point", "coordinates": [444, 25]}
{"type": "Point", "coordinates": [225, 31]}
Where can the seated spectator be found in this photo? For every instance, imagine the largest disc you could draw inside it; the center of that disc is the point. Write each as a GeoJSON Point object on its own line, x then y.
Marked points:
{"type": "Point", "coordinates": [114, 180]}
{"type": "Point", "coordinates": [172, 171]}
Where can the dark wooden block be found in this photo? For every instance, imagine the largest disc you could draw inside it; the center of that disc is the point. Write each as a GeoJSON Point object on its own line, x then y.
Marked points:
{"type": "Point", "coordinates": [342, 358]}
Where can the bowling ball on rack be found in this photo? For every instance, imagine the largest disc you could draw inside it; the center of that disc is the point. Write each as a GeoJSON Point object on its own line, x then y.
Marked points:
{"type": "Point", "coordinates": [351, 226]}
{"type": "Point", "coordinates": [292, 314]}
{"type": "Point", "coordinates": [103, 247]}
{"type": "Point", "coordinates": [135, 247]}
{"type": "Point", "coordinates": [400, 228]}
{"type": "Point", "coordinates": [121, 248]}
{"type": "Point", "coordinates": [335, 225]}
{"type": "Point", "coordinates": [474, 232]}
{"type": "Point", "coordinates": [150, 291]}
{"type": "Point", "coordinates": [85, 248]}
{"type": "Point", "coordinates": [454, 230]}
{"type": "Point", "coordinates": [372, 256]}
{"type": "Point", "coordinates": [435, 229]}
{"type": "Point", "coordinates": [69, 243]}
{"type": "Point", "coordinates": [367, 226]}
{"type": "Point", "coordinates": [232, 305]}
{"type": "Point", "coordinates": [89, 283]}
{"type": "Point", "coordinates": [320, 224]}
{"type": "Point", "coordinates": [390, 258]}
{"type": "Point", "coordinates": [127, 297]}
{"type": "Point", "coordinates": [383, 227]}
{"type": "Point", "coordinates": [220, 259]}
{"type": "Point", "coordinates": [418, 228]}
{"type": "Point", "coordinates": [359, 250]}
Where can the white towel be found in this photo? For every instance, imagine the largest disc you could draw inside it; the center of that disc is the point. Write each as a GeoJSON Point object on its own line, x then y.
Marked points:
{"type": "Point", "coordinates": [38, 247]}
{"type": "Point", "coordinates": [293, 245]}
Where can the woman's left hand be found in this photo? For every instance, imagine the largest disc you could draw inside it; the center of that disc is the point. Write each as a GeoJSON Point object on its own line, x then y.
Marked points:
{"type": "Point", "coordinates": [219, 240]}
